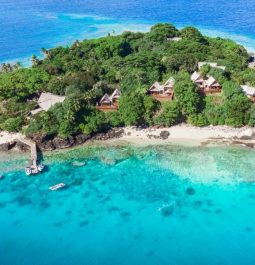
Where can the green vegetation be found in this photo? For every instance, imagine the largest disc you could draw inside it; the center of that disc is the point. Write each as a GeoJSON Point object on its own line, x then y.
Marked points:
{"type": "Point", "coordinates": [86, 70]}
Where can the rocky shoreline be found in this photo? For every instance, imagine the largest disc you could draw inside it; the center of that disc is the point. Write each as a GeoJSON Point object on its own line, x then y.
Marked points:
{"type": "Point", "coordinates": [49, 143]}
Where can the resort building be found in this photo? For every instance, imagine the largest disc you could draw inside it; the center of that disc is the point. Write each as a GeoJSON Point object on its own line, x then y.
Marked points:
{"type": "Point", "coordinates": [207, 85]}
{"type": "Point", "coordinates": [212, 86]}
{"type": "Point", "coordinates": [198, 79]}
{"type": "Point", "coordinates": [213, 65]}
{"type": "Point", "coordinates": [162, 92]}
{"type": "Point", "coordinates": [249, 92]}
{"type": "Point", "coordinates": [109, 103]}
{"type": "Point", "coordinates": [46, 101]}
{"type": "Point", "coordinates": [174, 39]}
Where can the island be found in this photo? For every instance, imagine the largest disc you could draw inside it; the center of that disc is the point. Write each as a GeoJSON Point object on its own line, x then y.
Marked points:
{"type": "Point", "coordinates": [159, 79]}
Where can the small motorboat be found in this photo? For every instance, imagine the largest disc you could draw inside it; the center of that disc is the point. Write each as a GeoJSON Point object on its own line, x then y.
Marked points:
{"type": "Point", "coordinates": [34, 169]}
{"type": "Point", "coordinates": [57, 186]}
{"type": "Point", "coordinates": [40, 167]}
{"type": "Point", "coordinates": [1, 177]}
{"type": "Point", "coordinates": [28, 171]}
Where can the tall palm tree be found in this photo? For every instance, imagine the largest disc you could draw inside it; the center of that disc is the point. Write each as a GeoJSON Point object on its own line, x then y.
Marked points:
{"type": "Point", "coordinates": [34, 60]}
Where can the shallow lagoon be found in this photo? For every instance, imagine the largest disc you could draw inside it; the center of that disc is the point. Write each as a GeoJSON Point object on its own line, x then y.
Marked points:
{"type": "Point", "coordinates": [131, 205]}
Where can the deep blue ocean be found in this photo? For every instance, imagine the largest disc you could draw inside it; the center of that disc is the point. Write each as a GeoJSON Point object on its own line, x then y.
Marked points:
{"type": "Point", "coordinates": [161, 205]}
{"type": "Point", "coordinates": [28, 25]}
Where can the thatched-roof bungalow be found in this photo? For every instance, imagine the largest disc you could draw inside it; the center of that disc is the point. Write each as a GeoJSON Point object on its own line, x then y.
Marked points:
{"type": "Point", "coordinates": [46, 101]}
{"type": "Point", "coordinates": [162, 92]}
{"type": "Point", "coordinates": [109, 103]}
{"type": "Point", "coordinates": [249, 92]}
{"type": "Point", "coordinates": [207, 85]}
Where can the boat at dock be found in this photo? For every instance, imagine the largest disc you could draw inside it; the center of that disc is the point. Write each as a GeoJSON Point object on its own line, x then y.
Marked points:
{"type": "Point", "coordinates": [57, 186]}
{"type": "Point", "coordinates": [34, 169]}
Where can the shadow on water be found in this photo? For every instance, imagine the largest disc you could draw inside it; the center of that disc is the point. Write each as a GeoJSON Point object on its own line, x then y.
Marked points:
{"type": "Point", "coordinates": [40, 155]}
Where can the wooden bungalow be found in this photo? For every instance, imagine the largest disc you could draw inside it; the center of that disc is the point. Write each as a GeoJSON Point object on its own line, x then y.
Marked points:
{"type": "Point", "coordinates": [115, 96]}
{"type": "Point", "coordinates": [207, 85]}
{"type": "Point", "coordinates": [162, 92]}
{"type": "Point", "coordinates": [109, 103]}
{"type": "Point", "coordinates": [249, 92]}
{"type": "Point", "coordinates": [198, 79]}
{"type": "Point", "coordinates": [211, 85]}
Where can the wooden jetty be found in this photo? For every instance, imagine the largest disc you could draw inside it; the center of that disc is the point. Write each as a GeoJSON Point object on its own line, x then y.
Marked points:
{"type": "Point", "coordinates": [34, 168]}
{"type": "Point", "coordinates": [33, 149]}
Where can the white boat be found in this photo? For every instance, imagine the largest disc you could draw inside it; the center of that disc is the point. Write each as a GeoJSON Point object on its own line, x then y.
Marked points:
{"type": "Point", "coordinates": [28, 171]}
{"type": "Point", "coordinates": [40, 167]}
{"type": "Point", "coordinates": [33, 170]}
{"type": "Point", "coordinates": [57, 186]}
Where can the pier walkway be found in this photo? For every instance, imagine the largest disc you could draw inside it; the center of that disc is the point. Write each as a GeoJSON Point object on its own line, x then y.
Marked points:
{"type": "Point", "coordinates": [33, 148]}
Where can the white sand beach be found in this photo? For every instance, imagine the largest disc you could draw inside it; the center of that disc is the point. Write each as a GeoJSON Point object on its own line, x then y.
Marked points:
{"type": "Point", "coordinates": [187, 134]}
{"type": "Point", "coordinates": [6, 137]}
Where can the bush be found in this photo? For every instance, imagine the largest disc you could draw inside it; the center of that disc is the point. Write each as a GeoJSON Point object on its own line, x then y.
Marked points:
{"type": "Point", "coordinates": [131, 108]}
{"type": "Point", "coordinates": [186, 94]}
{"type": "Point", "coordinates": [236, 109]}
{"type": "Point", "coordinates": [251, 114]}
{"type": "Point", "coordinates": [115, 119]}
{"type": "Point", "coordinates": [198, 120]}
{"type": "Point", "coordinates": [170, 115]}
{"type": "Point", "coordinates": [94, 123]}
{"type": "Point", "coordinates": [12, 124]}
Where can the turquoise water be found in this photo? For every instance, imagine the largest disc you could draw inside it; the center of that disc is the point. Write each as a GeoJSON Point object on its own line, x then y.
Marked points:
{"type": "Point", "coordinates": [131, 205]}
{"type": "Point", "coordinates": [28, 25]}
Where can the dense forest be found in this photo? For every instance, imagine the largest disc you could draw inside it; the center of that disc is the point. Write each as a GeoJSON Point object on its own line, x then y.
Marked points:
{"type": "Point", "coordinates": [131, 62]}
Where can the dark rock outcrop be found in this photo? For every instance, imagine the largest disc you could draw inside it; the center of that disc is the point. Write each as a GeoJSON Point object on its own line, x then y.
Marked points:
{"type": "Point", "coordinates": [5, 147]}
{"type": "Point", "coordinates": [164, 135]}
{"type": "Point", "coordinates": [46, 146]}
{"type": "Point", "coordinates": [22, 147]}
{"type": "Point", "coordinates": [60, 143]}
{"type": "Point", "coordinates": [111, 134]}
{"type": "Point", "coordinates": [81, 138]}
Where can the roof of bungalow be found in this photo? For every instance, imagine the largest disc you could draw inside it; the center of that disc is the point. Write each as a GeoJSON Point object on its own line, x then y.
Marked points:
{"type": "Point", "coordinates": [48, 100]}
{"type": "Point", "coordinates": [155, 87]}
{"type": "Point", "coordinates": [196, 76]}
{"type": "Point", "coordinates": [116, 94]}
{"type": "Point", "coordinates": [105, 99]}
{"type": "Point", "coordinates": [214, 65]}
{"type": "Point", "coordinates": [211, 81]}
{"type": "Point", "coordinates": [169, 82]}
{"type": "Point", "coordinates": [248, 90]}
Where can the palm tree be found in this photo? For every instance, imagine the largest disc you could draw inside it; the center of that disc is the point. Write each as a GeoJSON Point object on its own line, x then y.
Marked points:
{"type": "Point", "coordinates": [45, 52]}
{"type": "Point", "coordinates": [16, 66]}
{"type": "Point", "coordinates": [34, 60]}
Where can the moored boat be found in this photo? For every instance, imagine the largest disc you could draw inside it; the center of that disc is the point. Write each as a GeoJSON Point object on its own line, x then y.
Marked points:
{"type": "Point", "coordinates": [33, 170]}
{"type": "Point", "coordinates": [57, 186]}
{"type": "Point", "coordinates": [28, 171]}
{"type": "Point", "coordinates": [40, 167]}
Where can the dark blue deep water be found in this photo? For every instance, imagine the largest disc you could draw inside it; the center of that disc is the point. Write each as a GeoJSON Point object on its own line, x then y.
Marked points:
{"type": "Point", "coordinates": [161, 205]}
{"type": "Point", "coordinates": [28, 25]}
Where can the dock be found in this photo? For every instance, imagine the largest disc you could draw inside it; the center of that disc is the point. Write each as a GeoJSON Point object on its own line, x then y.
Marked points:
{"type": "Point", "coordinates": [32, 145]}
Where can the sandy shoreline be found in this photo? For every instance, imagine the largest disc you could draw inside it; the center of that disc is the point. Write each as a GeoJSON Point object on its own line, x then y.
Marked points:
{"type": "Point", "coordinates": [6, 137]}
{"type": "Point", "coordinates": [188, 135]}
{"type": "Point", "coordinates": [182, 134]}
